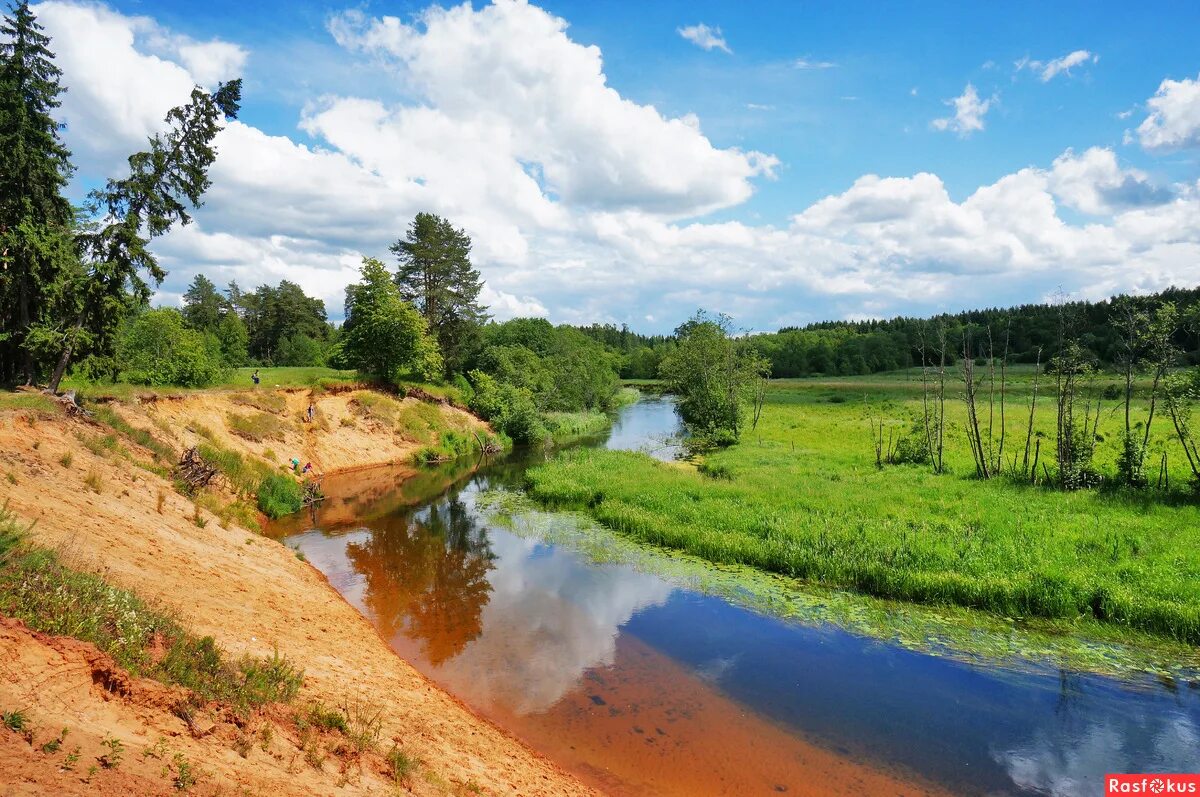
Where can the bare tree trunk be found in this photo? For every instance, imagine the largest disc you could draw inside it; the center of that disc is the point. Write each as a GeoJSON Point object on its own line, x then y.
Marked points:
{"type": "Point", "coordinates": [991, 399]}
{"type": "Point", "coordinates": [1003, 401]}
{"type": "Point", "coordinates": [973, 433]}
{"type": "Point", "coordinates": [1033, 405]}
{"type": "Point", "coordinates": [1185, 440]}
{"type": "Point", "coordinates": [941, 417]}
{"type": "Point", "coordinates": [64, 359]}
{"type": "Point", "coordinates": [925, 407]}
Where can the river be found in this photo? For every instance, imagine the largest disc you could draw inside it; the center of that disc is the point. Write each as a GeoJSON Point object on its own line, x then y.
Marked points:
{"type": "Point", "coordinates": [646, 676]}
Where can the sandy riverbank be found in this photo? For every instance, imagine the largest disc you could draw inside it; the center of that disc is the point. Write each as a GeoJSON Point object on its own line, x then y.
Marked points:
{"type": "Point", "coordinates": [250, 593]}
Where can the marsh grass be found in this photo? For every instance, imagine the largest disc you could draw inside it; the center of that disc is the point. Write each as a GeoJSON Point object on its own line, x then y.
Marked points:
{"type": "Point", "coordinates": [801, 496]}
{"type": "Point", "coordinates": [565, 425]}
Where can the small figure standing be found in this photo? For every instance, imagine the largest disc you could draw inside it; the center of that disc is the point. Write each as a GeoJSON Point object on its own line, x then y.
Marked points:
{"type": "Point", "coordinates": [254, 376]}
{"type": "Point", "coordinates": [312, 411]}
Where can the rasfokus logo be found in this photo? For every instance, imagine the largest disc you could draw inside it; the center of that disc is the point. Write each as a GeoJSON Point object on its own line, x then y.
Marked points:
{"type": "Point", "coordinates": [1151, 784]}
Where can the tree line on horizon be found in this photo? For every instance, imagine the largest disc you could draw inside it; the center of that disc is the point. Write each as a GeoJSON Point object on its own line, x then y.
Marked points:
{"type": "Point", "coordinates": [858, 348]}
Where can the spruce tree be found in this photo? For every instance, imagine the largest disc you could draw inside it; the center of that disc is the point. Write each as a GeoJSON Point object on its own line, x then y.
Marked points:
{"type": "Point", "coordinates": [35, 218]}
{"type": "Point", "coordinates": [436, 275]}
{"type": "Point", "coordinates": [117, 267]}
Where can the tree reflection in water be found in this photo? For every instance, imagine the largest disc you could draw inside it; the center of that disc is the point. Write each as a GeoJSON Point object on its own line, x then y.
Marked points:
{"type": "Point", "coordinates": [426, 576]}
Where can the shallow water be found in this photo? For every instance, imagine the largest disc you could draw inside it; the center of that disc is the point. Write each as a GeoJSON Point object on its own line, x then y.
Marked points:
{"type": "Point", "coordinates": [642, 680]}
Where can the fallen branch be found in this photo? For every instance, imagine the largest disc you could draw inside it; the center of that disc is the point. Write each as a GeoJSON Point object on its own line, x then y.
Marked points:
{"type": "Point", "coordinates": [194, 471]}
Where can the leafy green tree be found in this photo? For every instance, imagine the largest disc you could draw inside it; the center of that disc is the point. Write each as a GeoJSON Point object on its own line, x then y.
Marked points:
{"type": "Point", "coordinates": [436, 275]}
{"type": "Point", "coordinates": [510, 409]}
{"type": "Point", "coordinates": [163, 182]}
{"type": "Point", "coordinates": [384, 335]}
{"type": "Point", "coordinates": [300, 350]}
{"type": "Point", "coordinates": [157, 348]}
{"type": "Point", "coordinates": [203, 305]}
{"type": "Point", "coordinates": [563, 368]}
{"type": "Point", "coordinates": [35, 219]}
{"type": "Point", "coordinates": [232, 338]}
{"type": "Point", "coordinates": [714, 376]}
{"type": "Point", "coordinates": [517, 366]}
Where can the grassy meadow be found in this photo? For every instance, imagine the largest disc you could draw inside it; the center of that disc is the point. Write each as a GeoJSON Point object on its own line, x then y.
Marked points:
{"type": "Point", "coordinates": [238, 378]}
{"type": "Point", "coordinates": [801, 495]}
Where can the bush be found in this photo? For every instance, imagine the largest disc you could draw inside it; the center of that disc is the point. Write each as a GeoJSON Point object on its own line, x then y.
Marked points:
{"type": "Point", "coordinates": [464, 388]}
{"type": "Point", "coordinates": [279, 495]}
{"type": "Point", "coordinates": [451, 445]}
{"type": "Point", "coordinates": [155, 348]}
{"type": "Point", "coordinates": [509, 409]}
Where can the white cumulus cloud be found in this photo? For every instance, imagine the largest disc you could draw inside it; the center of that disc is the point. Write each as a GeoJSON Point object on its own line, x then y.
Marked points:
{"type": "Point", "coordinates": [586, 206]}
{"type": "Point", "coordinates": [1174, 120]}
{"type": "Point", "coordinates": [969, 111]}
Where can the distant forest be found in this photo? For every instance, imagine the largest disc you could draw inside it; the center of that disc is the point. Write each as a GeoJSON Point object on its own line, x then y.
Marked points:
{"type": "Point", "coordinates": [851, 348]}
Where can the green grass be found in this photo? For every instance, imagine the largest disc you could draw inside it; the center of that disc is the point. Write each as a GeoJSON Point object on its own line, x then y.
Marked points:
{"type": "Point", "coordinates": [16, 721]}
{"type": "Point", "coordinates": [49, 597]}
{"type": "Point", "coordinates": [801, 496]}
{"type": "Point", "coordinates": [450, 445]}
{"type": "Point", "coordinates": [417, 421]}
{"type": "Point", "coordinates": [142, 437]}
{"type": "Point", "coordinates": [237, 378]}
{"type": "Point", "coordinates": [565, 425]}
{"type": "Point", "coordinates": [39, 404]}
{"type": "Point", "coordinates": [448, 392]}
{"type": "Point", "coordinates": [279, 495]}
{"type": "Point", "coordinates": [244, 475]}
{"type": "Point", "coordinates": [376, 407]}
{"type": "Point", "coordinates": [256, 426]}
{"type": "Point", "coordinates": [264, 400]}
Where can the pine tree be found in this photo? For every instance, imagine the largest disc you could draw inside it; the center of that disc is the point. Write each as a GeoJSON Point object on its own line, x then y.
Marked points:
{"type": "Point", "coordinates": [203, 306]}
{"type": "Point", "coordinates": [435, 274]}
{"type": "Point", "coordinates": [163, 182]}
{"type": "Point", "coordinates": [35, 219]}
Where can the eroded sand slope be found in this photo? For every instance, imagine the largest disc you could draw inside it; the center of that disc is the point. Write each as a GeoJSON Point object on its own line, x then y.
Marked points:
{"type": "Point", "coordinates": [250, 593]}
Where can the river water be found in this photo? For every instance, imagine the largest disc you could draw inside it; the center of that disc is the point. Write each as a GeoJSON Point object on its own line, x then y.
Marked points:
{"type": "Point", "coordinates": [641, 677]}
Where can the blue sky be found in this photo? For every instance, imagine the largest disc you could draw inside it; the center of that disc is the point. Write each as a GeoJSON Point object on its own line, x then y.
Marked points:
{"type": "Point", "coordinates": [825, 94]}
